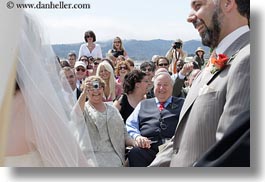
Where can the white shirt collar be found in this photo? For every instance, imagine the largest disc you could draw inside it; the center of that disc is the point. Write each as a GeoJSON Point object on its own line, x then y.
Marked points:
{"type": "Point", "coordinates": [230, 38]}
{"type": "Point", "coordinates": [75, 90]}
{"type": "Point", "coordinates": [168, 101]}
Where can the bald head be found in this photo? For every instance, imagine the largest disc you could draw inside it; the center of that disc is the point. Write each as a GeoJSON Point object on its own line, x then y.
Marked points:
{"type": "Point", "coordinates": [163, 86]}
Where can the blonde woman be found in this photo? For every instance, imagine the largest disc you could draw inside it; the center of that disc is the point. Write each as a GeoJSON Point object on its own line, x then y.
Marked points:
{"type": "Point", "coordinates": [112, 89]}
{"type": "Point", "coordinates": [117, 48]}
{"type": "Point", "coordinates": [105, 124]}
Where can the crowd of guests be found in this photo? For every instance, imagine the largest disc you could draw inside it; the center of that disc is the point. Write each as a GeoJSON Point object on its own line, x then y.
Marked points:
{"type": "Point", "coordinates": [168, 112]}
{"type": "Point", "coordinates": [121, 102]}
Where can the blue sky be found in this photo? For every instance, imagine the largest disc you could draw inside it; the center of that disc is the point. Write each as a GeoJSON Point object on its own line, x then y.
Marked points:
{"type": "Point", "coordinates": [138, 19]}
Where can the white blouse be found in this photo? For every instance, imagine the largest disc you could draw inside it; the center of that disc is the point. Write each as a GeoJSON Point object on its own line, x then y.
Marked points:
{"type": "Point", "coordinates": [96, 52]}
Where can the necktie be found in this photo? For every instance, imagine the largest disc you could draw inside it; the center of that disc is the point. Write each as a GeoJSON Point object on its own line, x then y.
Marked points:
{"type": "Point", "coordinates": [161, 106]}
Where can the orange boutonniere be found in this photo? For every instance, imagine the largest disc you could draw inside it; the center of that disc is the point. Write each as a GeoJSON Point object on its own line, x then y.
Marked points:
{"type": "Point", "coordinates": [218, 63]}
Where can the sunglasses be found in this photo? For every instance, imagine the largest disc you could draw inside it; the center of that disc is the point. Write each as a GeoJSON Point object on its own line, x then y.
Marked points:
{"type": "Point", "coordinates": [163, 64]}
{"type": "Point", "coordinates": [80, 69]}
{"type": "Point", "coordinates": [123, 67]}
{"type": "Point", "coordinates": [90, 58]}
{"type": "Point", "coordinates": [83, 60]}
{"type": "Point", "coordinates": [117, 42]}
{"type": "Point", "coordinates": [89, 36]}
{"type": "Point", "coordinates": [144, 69]}
{"type": "Point", "coordinates": [96, 63]}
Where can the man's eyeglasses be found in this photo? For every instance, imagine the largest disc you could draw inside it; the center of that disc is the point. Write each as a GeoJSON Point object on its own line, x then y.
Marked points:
{"type": "Point", "coordinates": [96, 63]}
{"type": "Point", "coordinates": [163, 64]}
{"type": "Point", "coordinates": [144, 69]}
{"type": "Point", "coordinates": [84, 60]}
{"type": "Point", "coordinates": [80, 69]}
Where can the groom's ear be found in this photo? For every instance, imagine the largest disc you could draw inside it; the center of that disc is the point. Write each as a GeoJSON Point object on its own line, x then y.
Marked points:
{"type": "Point", "coordinates": [229, 5]}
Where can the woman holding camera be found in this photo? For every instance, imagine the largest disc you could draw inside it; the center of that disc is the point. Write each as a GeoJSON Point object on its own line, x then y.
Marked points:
{"type": "Point", "coordinates": [105, 124]}
{"type": "Point", "coordinates": [174, 54]}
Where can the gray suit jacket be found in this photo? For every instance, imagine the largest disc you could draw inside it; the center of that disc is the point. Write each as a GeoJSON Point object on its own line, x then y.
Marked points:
{"type": "Point", "coordinates": [211, 106]}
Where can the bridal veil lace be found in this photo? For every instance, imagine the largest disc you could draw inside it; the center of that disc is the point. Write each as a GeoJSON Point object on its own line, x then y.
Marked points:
{"type": "Point", "coordinates": [59, 133]}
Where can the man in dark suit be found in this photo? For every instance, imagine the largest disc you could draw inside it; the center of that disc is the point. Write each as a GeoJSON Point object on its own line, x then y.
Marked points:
{"type": "Point", "coordinates": [221, 92]}
{"type": "Point", "coordinates": [153, 121]}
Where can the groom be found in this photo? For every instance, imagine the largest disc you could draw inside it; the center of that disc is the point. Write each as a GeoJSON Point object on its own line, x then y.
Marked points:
{"type": "Point", "coordinates": [221, 93]}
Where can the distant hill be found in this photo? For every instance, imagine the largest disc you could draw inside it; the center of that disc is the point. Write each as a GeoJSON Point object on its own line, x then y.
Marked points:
{"type": "Point", "coordinates": [136, 49]}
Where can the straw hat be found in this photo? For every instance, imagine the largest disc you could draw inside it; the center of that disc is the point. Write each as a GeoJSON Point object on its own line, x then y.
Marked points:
{"type": "Point", "coordinates": [179, 40]}
{"type": "Point", "coordinates": [199, 49]}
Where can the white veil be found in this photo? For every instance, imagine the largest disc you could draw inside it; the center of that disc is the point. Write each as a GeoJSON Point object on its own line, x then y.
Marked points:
{"type": "Point", "coordinates": [58, 133]}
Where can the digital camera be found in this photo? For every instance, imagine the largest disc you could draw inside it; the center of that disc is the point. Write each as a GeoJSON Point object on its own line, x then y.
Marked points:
{"type": "Point", "coordinates": [177, 45]}
{"type": "Point", "coordinates": [95, 85]}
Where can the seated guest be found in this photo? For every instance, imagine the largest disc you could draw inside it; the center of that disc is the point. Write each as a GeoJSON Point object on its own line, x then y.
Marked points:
{"type": "Point", "coordinates": [122, 69]}
{"type": "Point", "coordinates": [180, 78]}
{"type": "Point", "coordinates": [153, 121]}
{"type": "Point", "coordinates": [135, 87]}
{"type": "Point", "coordinates": [105, 125]}
{"type": "Point", "coordinates": [80, 72]}
{"type": "Point", "coordinates": [64, 63]}
{"type": "Point", "coordinates": [112, 89]}
{"type": "Point", "coordinates": [131, 63]}
{"type": "Point", "coordinates": [163, 62]}
{"type": "Point", "coordinates": [85, 59]}
{"type": "Point", "coordinates": [117, 48]}
{"type": "Point", "coordinates": [67, 75]}
{"type": "Point", "coordinates": [149, 69]}
{"type": "Point", "coordinates": [72, 59]}
{"type": "Point", "coordinates": [95, 66]}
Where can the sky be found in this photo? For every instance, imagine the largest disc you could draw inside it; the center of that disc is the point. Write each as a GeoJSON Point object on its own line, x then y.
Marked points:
{"type": "Point", "coordinates": [137, 19]}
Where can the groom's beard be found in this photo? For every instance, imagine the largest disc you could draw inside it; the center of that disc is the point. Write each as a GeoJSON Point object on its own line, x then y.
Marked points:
{"type": "Point", "coordinates": [210, 37]}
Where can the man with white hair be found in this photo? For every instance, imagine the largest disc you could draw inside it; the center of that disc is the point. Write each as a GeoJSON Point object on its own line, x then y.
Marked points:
{"type": "Point", "coordinates": [153, 121]}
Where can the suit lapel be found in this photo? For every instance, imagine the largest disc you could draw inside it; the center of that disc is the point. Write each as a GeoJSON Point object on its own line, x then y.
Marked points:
{"type": "Point", "coordinates": [206, 77]}
{"type": "Point", "coordinates": [241, 42]}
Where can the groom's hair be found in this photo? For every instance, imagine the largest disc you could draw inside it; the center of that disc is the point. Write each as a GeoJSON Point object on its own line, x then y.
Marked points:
{"type": "Point", "coordinates": [243, 7]}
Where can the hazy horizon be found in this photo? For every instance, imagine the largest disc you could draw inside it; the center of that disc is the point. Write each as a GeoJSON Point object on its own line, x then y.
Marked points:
{"type": "Point", "coordinates": [124, 40]}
